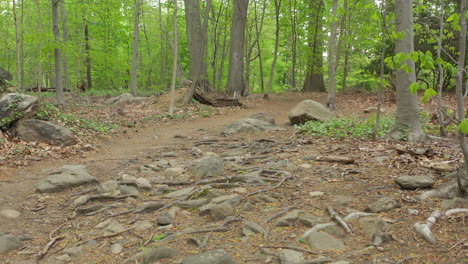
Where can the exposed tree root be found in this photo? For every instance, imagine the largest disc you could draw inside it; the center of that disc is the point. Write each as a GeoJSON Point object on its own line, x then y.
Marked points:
{"type": "Point", "coordinates": [335, 216]}
{"type": "Point", "coordinates": [425, 229]}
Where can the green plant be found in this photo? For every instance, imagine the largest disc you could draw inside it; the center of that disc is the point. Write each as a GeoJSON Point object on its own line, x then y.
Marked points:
{"type": "Point", "coordinates": [159, 237]}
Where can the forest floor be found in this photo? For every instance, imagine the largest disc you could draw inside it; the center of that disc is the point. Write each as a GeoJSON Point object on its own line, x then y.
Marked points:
{"type": "Point", "coordinates": [147, 138]}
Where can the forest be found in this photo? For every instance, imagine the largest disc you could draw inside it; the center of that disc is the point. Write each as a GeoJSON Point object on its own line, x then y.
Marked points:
{"type": "Point", "coordinates": [223, 132]}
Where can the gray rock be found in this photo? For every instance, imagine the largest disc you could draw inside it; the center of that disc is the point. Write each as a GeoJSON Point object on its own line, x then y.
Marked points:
{"type": "Point", "coordinates": [124, 99]}
{"type": "Point", "coordinates": [234, 152]}
{"type": "Point", "coordinates": [414, 182]}
{"type": "Point", "coordinates": [179, 193]}
{"type": "Point", "coordinates": [173, 172]}
{"type": "Point", "coordinates": [210, 257]}
{"type": "Point", "coordinates": [164, 219]}
{"type": "Point", "coordinates": [9, 243]}
{"type": "Point", "coordinates": [5, 78]}
{"type": "Point", "coordinates": [148, 207]}
{"type": "Point", "coordinates": [342, 200]}
{"type": "Point", "coordinates": [128, 190]}
{"type": "Point", "coordinates": [384, 204]}
{"type": "Point", "coordinates": [14, 106]}
{"type": "Point", "coordinates": [221, 211]}
{"type": "Point", "coordinates": [341, 262]}
{"type": "Point", "coordinates": [66, 177]}
{"type": "Point", "coordinates": [111, 227]}
{"type": "Point", "coordinates": [310, 220]}
{"type": "Point", "coordinates": [372, 225]}
{"type": "Point", "coordinates": [289, 218]}
{"type": "Point", "coordinates": [309, 110]}
{"type": "Point", "coordinates": [116, 248]}
{"type": "Point", "coordinates": [159, 253]}
{"type": "Point", "coordinates": [73, 251]}
{"type": "Point", "coordinates": [323, 241]}
{"type": "Point", "coordinates": [249, 125]}
{"type": "Point", "coordinates": [455, 203]}
{"type": "Point", "coordinates": [252, 227]}
{"type": "Point", "coordinates": [10, 213]}
{"type": "Point", "coordinates": [232, 199]}
{"type": "Point", "coordinates": [142, 225]}
{"type": "Point", "coordinates": [196, 203]}
{"type": "Point", "coordinates": [143, 184]}
{"type": "Point", "coordinates": [334, 230]}
{"type": "Point", "coordinates": [209, 166]}
{"type": "Point", "coordinates": [43, 131]}
{"type": "Point", "coordinates": [264, 117]}
{"type": "Point", "coordinates": [109, 186]}
{"type": "Point", "coordinates": [263, 198]}
{"type": "Point", "coordinates": [380, 238]}
{"type": "Point", "coordinates": [288, 256]}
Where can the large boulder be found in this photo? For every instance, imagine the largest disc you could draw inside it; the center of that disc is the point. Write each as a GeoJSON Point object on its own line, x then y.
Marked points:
{"type": "Point", "coordinates": [209, 166]}
{"type": "Point", "coordinates": [5, 77]}
{"type": "Point", "coordinates": [124, 99]}
{"type": "Point", "coordinates": [309, 110]}
{"type": "Point", "coordinates": [66, 177]}
{"type": "Point", "coordinates": [43, 131]}
{"type": "Point", "coordinates": [14, 106]}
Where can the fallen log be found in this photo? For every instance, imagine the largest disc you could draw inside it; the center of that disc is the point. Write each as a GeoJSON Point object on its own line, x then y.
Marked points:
{"type": "Point", "coordinates": [215, 99]}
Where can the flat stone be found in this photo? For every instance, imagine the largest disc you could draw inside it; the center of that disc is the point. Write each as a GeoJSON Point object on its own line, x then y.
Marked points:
{"type": "Point", "coordinates": [112, 226]}
{"type": "Point", "coordinates": [263, 198]}
{"type": "Point", "coordinates": [9, 243]}
{"type": "Point", "coordinates": [316, 194]}
{"type": "Point", "coordinates": [210, 257]}
{"type": "Point", "coordinates": [128, 190]}
{"type": "Point", "coordinates": [372, 225]}
{"type": "Point", "coordinates": [324, 241]}
{"type": "Point", "coordinates": [288, 256]}
{"type": "Point", "coordinates": [179, 193]}
{"type": "Point", "coordinates": [142, 225]}
{"type": "Point", "coordinates": [148, 207]}
{"type": "Point", "coordinates": [116, 248]}
{"type": "Point", "coordinates": [414, 182]}
{"type": "Point", "coordinates": [310, 220]}
{"type": "Point", "coordinates": [196, 203]}
{"type": "Point", "coordinates": [10, 213]}
{"type": "Point", "coordinates": [73, 251]}
{"type": "Point", "coordinates": [173, 172]}
{"type": "Point", "coordinates": [221, 211]}
{"type": "Point", "coordinates": [209, 166]}
{"type": "Point", "coordinates": [164, 218]}
{"type": "Point", "coordinates": [143, 184]}
{"type": "Point", "coordinates": [246, 125]}
{"type": "Point", "coordinates": [455, 203]}
{"type": "Point", "coordinates": [342, 200]}
{"type": "Point", "coordinates": [109, 186]}
{"type": "Point", "coordinates": [68, 176]}
{"type": "Point", "coordinates": [289, 218]}
{"type": "Point", "coordinates": [384, 204]}
{"type": "Point", "coordinates": [254, 227]}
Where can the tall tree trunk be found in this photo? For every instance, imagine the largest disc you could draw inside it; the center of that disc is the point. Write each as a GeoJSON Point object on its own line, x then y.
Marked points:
{"type": "Point", "coordinates": [236, 85]}
{"type": "Point", "coordinates": [314, 76]}
{"type": "Point", "coordinates": [440, 85]}
{"type": "Point", "coordinates": [275, 55]}
{"type": "Point", "coordinates": [19, 56]}
{"type": "Point", "coordinates": [293, 13]}
{"type": "Point", "coordinates": [408, 123]}
{"type": "Point", "coordinates": [174, 62]}
{"type": "Point", "coordinates": [136, 37]}
{"type": "Point", "coordinates": [58, 54]}
{"type": "Point", "coordinates": [196, 40]}
{"type": "Point", "coordinates": [63, 12]}
{"type": "Point", "coordinates": [39, 47]}
{"type": "Point", "coordinates": [331, 60]}
{"type": "Point", "coordinates": [89, 79]}
{"type": "Point", "coordinates": [460, 78]}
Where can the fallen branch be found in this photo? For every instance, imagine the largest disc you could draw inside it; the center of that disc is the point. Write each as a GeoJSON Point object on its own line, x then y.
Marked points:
{"type": "Point", "coordinates": [335, 216]}
{"type": "Point", "coordinates": [106, 236]}
{"type": "Point", "coordinates": [456, 211]}
{"type": "Point", "coordinates": [456, 244]}
{"type": "Point", "coordinates": [293, 248]}
{"type": "Point", "coordinates": [49, 246]}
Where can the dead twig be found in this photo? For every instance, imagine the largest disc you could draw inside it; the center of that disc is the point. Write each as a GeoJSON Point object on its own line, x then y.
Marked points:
{"type": "Point", "coordinates": [456, 244]}
{"type": "Point", "coordinates": [149, 239]}
{"type": "Point", "coordinates": [335, 216]}
{"type": "Point", "coordinates": [49, 246]}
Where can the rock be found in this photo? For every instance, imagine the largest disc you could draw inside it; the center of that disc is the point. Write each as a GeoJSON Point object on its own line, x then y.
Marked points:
{"type": "Point", "coordinates": [380, 238]}
{"type": "Point", "coordinates": [221, 211]}
{"type": "Point", "coordinates": [43, 131]}
{"type": "Point", "coordinates": [264, 117]}
{"type": "Point", "coordinates": [414, 182]}
{"type": "Point", "coordinates": [110, 227]}
{"type": "Point", "coordinates": [209, 166]}
{"type": "Point", "coordinates": [109, 186]}
{"type": "Point", "coordinates": [5, 78]}
{"type": "Point", "coordinates": [128, 178]}
{"type": "Point", "coordinates": [142, 225]}
{"type": "Point", "coordinates": [124, 99]}
{"type": "Point", "coordinates": [73, 251]}
{"type": "Point", "coordinates": [372, 225]}
{"type": "Point", "coordinates": [309, 110]}
{"type": "Point", "coordinates": [342, 200]}
{"type": "Point", "coordinates": [249, 125]}
{"type": "Point", "coordinates": [164, 219]}
{"type": "Point", "coordinates": [263, 198]}
{"type": "Point", "coordinates": [323, 241]}
{"type": "Point", "coordinates": [9, 243]}
{"type": "Point", "coordinates": [173, 172]}
{"type": "Point", "coordinates": [288, 256]}
{"type": "Point", "coordinates": [66, 177]}
{"type": "Point", "coordinates": [455, 203]}
{"type": "Point", "coordinates": [143, 184]}
{"type": "Point", "coordinates": [148, 207]}
{"type": "Point", "coordinates": [14, 106]}
{"type": "Point", "coordinates": [236, 152]}
{"type": "Point", "coordinates": [180, 193]}
{"type": "Point", "coordinates": [64, 258]}
{"type": "Point", "coordinates": [116, 248]}
{"type": "Point", "coordinates": [210, 193]}
{"type": "Point", "coordinates": [335, 231]}
{"type": "Point", "coordinates": [289, 218]}
{"type": "Point", "coordinates": [310, 220]}
{"type": "Point", "coordinates": [159, 253]}
{"type": "Point", "coordinates": [196, 203]}
{"type": "Point", "coordinates": [340, 262]}
{"type": "Point", "coordinates": [316, 194]}
{"type": "Point", "coordinates": [128, 190]}
{"type": "Point", "coordinates": [210, 257]}
{"type": "Point", "coordinates": [232, 199]}
{"type": "Point", "coordinates": [252, 228]}
{"type": "Point", "coordinates": [10, 213]}
{"type": "Point", "coordinates": [384, 204]}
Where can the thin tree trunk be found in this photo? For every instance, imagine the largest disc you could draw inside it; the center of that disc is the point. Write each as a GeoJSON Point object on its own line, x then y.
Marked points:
{"type": "Point", "coordinates": [19, 65]}
{"type": "Point", "coordinates": [58, 54]}
{"type": "Point", "coordinates": [175, 59]}
{"type": "Point", "coordinates": [294, 43]}
{"type": "Point", "coordinates": [89, 79]}
{"type": "Point", "coordinates": [63, 12]}
{"type": "Point", "coordinates": [136, 37]}
{"type": "Point", "coordinates": [341, 34]}
{"type": "Point", "coordinates": [39, 47]}
{"type": "Point", "coordinates": [275, 56]}
{"type": "Point", "coordinates": [331, 60]}
{"type": "Point", "coordinates": [460, 78]}
{"type": "Point", "coordinates": [443, 132]}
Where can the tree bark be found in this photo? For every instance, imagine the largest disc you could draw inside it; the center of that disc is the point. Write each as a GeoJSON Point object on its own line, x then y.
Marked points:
{"type": "Point", "coordinates": [275, 55]}
{"type": "Point", "coordinates": [440, 85]}
{"type": "Point", "coordinates": [58, 54]}
{"type": "Point", "coordinates": [236, 85]}
{"type": "Point", "coordinates": [175, 48]}
{"type": "Point", "coordinates": [331, 60]}
{"type": "Point", "coordinates": [19, 65]}
{"type": "Point", "coordinates": [89, 79]}
{"type": "Point", "coordinates": [408, 123]}
{"type": "Point", "coordinates": [63, 12]}
{"type": "Point", "coordinates": [39, 47]}
{"type": "Point", "coordinates": [136, 38]}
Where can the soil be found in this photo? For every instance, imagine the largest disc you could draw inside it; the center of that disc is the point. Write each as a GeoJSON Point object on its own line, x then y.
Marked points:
{"type": "Point", "coordinates": [371, 176]}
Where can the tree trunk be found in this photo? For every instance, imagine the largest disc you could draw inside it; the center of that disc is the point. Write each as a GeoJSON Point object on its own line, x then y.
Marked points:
{"type": "Point", "coordinates": [407, 124]}
{"type": "Point", "coordinates": [89, 80]}
{"type": "Point", "coordinates": [440, 85]}
{"type": "Point", "coordinates": [331, 60]}
{"type": "Point", "coordinates": [63, 12]}
{"type": "Point", "coordinates": [136, 37]}
{"type": "Point", "coordinates": [294, 43]}
{"type": "Point", "coordinates": [236, 85]}
{"type": "Point", "coordinates": [39, 47]}
{"type": "Point", "coordinates": [314, 76]}
{"type": "Point", "coordinates": [58, 54]}
{"type": "Point", "coordinates": [19, 65]}
{"type": "Point", "coordinates": [175, 59]}
{"type": "Point", "coordinates": [275, 55]}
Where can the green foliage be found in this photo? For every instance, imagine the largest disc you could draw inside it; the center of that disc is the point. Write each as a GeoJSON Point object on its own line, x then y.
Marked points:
{"type": "Point", "coordinates": [463, 126]}
{"type": "Point", "coordinates": [159, 237]}
{"type": "Point", "coordinates": [348, 127]}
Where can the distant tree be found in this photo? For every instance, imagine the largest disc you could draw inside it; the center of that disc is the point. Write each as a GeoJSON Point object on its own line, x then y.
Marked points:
{"type": "Point", "coordinates": [58, 54]}
{"type": "Point", "coordinates": [174, 63]}
{"type": "Point", "coordinates": [331, 59]}
{"type": "Point", "coordinates": [136, 38]}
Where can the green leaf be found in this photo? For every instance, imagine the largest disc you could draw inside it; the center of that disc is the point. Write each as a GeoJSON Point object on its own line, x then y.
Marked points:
{"type": "Point", "coordinates": [452, 17]}
{"type": "Point", "coordinates": [406, 68]}
{"type": "Point", "coordinates": [414, 87]}
{"type": "Point", "coordinates": [428, 94]}
{"type": "Point", "coordinates": [463, 126]}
